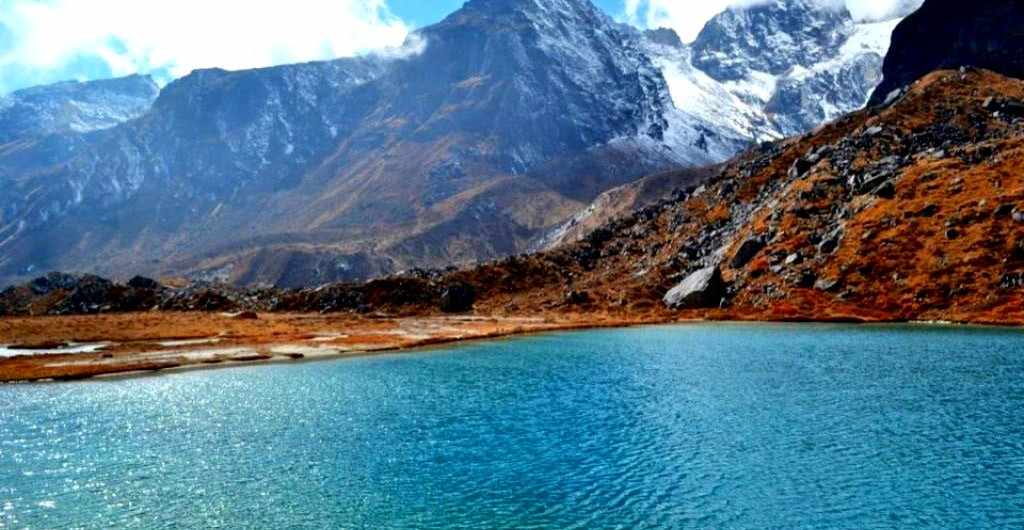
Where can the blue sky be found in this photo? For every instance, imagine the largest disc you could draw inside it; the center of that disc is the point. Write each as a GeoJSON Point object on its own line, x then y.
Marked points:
{"type": "Point", "coordinates": [44, 41]}
{"type": "Point", "coordinates": [423, 12]}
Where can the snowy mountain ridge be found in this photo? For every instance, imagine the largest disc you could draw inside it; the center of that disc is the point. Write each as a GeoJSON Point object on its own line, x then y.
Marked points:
{"type": "Point", "coordinates": [75, 107]}
{"type": "Point", "coordinates": [775, 69]}
{"type": "Point", "coordinates": [511, 117]}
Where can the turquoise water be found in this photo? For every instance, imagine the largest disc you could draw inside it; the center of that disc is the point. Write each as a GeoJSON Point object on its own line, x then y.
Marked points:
{"type": "Point", "coordinates": [702, 426]}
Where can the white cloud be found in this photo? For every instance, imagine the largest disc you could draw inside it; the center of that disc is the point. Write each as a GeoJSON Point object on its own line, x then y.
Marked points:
{"type": "Point", "coordinates": [182, 35]}
{"type": "Point", "coordinates": [688, 17]}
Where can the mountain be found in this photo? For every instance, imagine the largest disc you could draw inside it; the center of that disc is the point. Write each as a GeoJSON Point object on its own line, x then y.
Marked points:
{"type": "Point", "coordinates": [74, 107]}
{"type": "Point", "coordinates": [777, 68]}
{"type": "Point", "coordinates": [909, 212]}
{"type": "Point", "coordinates": [983, 33]}
{"type": "Point", "coordinates": [495, 125]}
{"type": "Point", "coordinates": [761, 72]}
{"type": "Point", "coordinates": [483, 135]}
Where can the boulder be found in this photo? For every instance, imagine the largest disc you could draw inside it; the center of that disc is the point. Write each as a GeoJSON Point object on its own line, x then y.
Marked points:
{"type": "Point", "coordinates": [90, 295]}
{"type": "Point", "coordinates": [886, 191]}
{"type": "Point", "coordinates": [700, 289]}
{"type": "Point", "coordinates": [457, 298]}
{"type": "Point", "coordinates": [53, 281]}
{"type": "Point", "coordinates": [826, 284]}
{"type": "Point", "coordinates": [1003, 210]}
{"type": "Point", "coordinates": [800, 167]}
{"type": "Point", "coordinates": [577, 298]}
{"type": "Point", "coordinates": [831, 242]}
{"type": "Point", "coordinates": [748, 250]}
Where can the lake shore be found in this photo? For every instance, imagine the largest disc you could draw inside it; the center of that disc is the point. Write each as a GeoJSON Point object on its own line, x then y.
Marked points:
{"type": "Point", "coordinates": [70, 348]}
{"type": "Point", "coordinates": [83, 347]}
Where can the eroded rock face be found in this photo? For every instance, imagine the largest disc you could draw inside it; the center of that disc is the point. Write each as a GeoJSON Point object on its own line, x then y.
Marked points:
{"type": "Point", "coordinates": [950, 34]}
{"type": "Point", "coordinates": [701, 289]}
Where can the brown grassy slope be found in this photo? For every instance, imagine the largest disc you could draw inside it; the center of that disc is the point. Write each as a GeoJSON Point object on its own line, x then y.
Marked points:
{"type": "Point", "coordinates": [944, 246]}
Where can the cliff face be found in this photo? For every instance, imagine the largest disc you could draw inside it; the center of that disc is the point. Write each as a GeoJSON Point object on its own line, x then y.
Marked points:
{"type": "Point", "coordinates": [950, 34]}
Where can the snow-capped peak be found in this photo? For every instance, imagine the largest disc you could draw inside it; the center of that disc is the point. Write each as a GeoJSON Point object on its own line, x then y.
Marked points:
{"type": "Point", "coordinates": [774, 69]}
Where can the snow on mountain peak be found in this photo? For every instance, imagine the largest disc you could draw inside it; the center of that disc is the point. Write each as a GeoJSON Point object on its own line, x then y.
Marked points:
{"type": "Point", "coordinates": [76, 107]}
{"type": "Point", "coordinates": [773, 69]}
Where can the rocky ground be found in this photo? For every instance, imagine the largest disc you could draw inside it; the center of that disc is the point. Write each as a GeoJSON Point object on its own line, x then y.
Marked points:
{"type": "Point", "coordinates": [909, 211]}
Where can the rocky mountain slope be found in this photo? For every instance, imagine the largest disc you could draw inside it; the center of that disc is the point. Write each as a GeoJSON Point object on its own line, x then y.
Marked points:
{"type": "Point", "coordinates": [983, 33]}
{"type": "Point", "coordinates": [913, 211]}
{"type": "Point", "coordinates": [910, 212]}
{"type": "Point", "coordinates": [74, 107]}
{"type": "Point", "coordinates": [498, 123]}
{"type": "Point", "coordinates": [762, 72]}
{"type": "Point", "coordinates": [486, 134]}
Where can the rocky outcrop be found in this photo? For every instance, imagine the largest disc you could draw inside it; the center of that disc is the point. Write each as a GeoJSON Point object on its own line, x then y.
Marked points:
{"type": "Point", "coordinates": [952, 34]}
{"type": "Point", "coordinates": [457, 298]}
{"type": "Point", "coordinates": [701, 289]}
{"type": "Point", "coordinates": [68, 294]}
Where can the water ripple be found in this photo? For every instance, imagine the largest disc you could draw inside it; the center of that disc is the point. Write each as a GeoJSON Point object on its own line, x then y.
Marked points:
{"type": "Point", "coordinates": [701, 426]}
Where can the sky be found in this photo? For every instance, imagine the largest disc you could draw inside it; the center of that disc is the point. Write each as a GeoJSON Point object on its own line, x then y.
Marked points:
{"type": "Point", "coordinates": [44, 41]}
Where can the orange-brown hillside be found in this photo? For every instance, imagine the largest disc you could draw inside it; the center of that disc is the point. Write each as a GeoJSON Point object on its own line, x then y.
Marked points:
{"type": "Point", "coordinates": [913, 211]}
{"type": "Point", "coordinates": [904, 213]}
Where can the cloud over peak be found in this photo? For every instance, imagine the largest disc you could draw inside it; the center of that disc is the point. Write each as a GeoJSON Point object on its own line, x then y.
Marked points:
{"type": "Point", "coordinates": [688, 18]}
{"type": "Point", "coordinates": [120, 37]}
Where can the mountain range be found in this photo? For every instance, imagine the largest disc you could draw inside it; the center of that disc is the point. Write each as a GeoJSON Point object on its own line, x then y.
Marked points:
{"type": "Point", "coordinates": [482, 137]}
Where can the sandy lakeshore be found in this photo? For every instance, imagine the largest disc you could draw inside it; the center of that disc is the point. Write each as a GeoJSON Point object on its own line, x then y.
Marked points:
{"type": "Point", "coordinates": [82, 347]}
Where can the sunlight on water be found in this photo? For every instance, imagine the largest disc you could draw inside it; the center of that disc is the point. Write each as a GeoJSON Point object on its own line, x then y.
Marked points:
{"type": "Point", "coordinates": [702, 426]}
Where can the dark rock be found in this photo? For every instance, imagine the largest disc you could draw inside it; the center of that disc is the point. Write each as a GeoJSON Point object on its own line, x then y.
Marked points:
{"type": "Point", "coordinates": [800, 167]}
{"type": "Point", "coordinates": [1017, 252]}
{"type": "Point", "coordinates": [952, 233]}
{"type": "Point", "coordinates": [244, 315]}
{"type": "Point", "coordinates": [886, 191]}
{"type": "Point", "coordinates": [665, 37]}
{"type": "Point", "coordinates": [458, 298]}
{"type": "Point", "coordinates": [979, 33]}
{"type": "Point", "coordinates": [577, 298]}
{"type": "Point", "coordinates": [1005, 107]}
{"type": "Point", "coordinates": [700, 289]}
{"type": "Point", "coordinates": [141, 282]}
{"type": "Point", "coordinates": [831, 242]}
{"type": "Point", "coordinates": [53, 281]}
{"type": "Point", "coordinates": [927, 211]}
{"type": "Point", "coordinates": [90, 295]}
{"type": "Point", "coordinates": [1013, 280]}
{"type": "Point", "coordinates": [1003, 210]}
{"type": "Point", "coordinates": [748, 250]}
{"type": "Point", "coordinates": [806, 280]}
